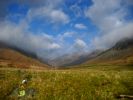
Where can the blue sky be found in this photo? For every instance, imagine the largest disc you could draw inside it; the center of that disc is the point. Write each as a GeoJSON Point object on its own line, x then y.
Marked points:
{"type": "Point", "coordinates": [54, 28]}
{"type": "Point", "coordinates": [37, 25]}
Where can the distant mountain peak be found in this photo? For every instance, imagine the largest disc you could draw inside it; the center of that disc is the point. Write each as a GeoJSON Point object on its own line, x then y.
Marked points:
{"type": "Point", "coordinates": [123, 44]}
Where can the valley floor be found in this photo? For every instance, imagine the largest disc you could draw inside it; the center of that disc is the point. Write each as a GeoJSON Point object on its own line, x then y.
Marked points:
{"type": "Point", "coordinates": [70, 84]}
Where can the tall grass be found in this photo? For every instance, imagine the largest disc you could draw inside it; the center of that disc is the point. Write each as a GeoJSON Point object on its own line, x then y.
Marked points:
{"type": "Point", "coordinates": [67, 84]}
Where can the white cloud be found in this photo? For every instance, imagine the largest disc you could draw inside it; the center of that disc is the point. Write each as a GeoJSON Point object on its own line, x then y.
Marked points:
{"type": "Point", "coordinates": [68, 34]}
{"type": "Point", "coordinates": [54, 46]}
{"type": "Point", "coordinates": [109, 17]}
{"type": "Point", "coordinates": [80, 26]}
{"type": "Point", "coordinates": [106, 14]}
{"type": "Point", "coordinates": [108, 40]}
{"type": "Point", "coordinates": [59, 16]}
{"type": "Point", "coordinates": [50, 14]}
{"type": "Point", "coordinates": [80, 44]}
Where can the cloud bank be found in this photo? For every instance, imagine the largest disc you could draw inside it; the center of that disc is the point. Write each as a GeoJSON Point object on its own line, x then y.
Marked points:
{"type": "Point", "coordinates": [16, 35]}
{"type": "Point", "coordinates": [110, 17]}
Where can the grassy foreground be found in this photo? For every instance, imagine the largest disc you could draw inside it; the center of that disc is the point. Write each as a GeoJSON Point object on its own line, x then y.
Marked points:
{"type": "Point", "coordinates": [85, 84]}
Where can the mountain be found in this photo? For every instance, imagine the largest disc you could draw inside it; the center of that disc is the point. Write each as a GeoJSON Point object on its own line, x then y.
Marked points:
{"type": "Point", "coordinates": [73, 59]}
{"type": "Point", "coordinates": [120, 54]}
{"type": "Point", "coordinates": [11, 56]}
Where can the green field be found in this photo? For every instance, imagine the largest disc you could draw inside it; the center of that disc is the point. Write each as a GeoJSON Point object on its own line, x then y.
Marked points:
{"type": "Point", "coordinates": [69, 84]}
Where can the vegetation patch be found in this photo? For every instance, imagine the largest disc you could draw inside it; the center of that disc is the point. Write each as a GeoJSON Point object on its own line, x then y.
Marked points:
{"type": "Point", "coordinates": [87, 84]}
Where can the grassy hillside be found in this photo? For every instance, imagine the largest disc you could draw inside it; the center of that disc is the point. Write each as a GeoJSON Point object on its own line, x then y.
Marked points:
{"type": "Point", "coordinates": [12, 58]}
{"type": "Point", "coordinates": [120, 54]}
{"type": "Point", "coordinates": [123, 57]}
{"type": "Point", "coordinates": [85, 84]}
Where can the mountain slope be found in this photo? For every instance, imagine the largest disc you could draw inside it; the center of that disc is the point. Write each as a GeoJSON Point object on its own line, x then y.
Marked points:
{"type": "Point", "coordinates": [120, 54]}
{"type": "Point", "coordinates": [73, 59]}
{"type": "Point", "coordinates": [12, 57]}
{"type": "Point", "coordinates": [66, 60]}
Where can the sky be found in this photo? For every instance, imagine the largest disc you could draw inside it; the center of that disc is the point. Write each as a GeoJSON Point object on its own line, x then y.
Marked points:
{"type": "Point", "coordinates": [54, 28]}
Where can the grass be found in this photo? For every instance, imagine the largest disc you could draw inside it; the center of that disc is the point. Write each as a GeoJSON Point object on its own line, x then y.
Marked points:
{"type": "Point", "coordinates": [71, 84]}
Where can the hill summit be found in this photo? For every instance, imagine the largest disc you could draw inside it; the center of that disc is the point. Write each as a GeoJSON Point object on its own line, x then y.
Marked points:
{"type": "Point", "coordinates": [11, 56]}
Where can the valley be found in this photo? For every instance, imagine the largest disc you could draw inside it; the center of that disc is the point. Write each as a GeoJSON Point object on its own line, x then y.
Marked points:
{"type": "Point", "coordinates": [101, 76]}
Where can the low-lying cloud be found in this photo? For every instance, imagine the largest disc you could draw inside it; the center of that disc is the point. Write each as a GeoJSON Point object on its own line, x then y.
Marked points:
{"type": "Point", "coordinates": [108, 40]}
{"type": "Point", "coordinates": [109, 16]}
{"type": "Point", "coordinates": [20, 37]}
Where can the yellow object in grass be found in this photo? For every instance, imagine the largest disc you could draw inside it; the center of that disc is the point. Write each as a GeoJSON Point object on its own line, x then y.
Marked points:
{"type": "Point", "coordinates": [21, 93]}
